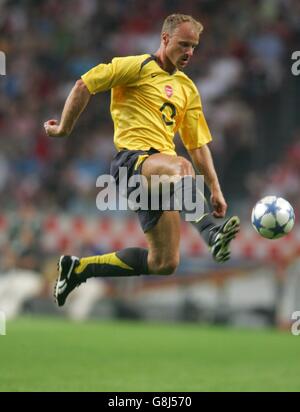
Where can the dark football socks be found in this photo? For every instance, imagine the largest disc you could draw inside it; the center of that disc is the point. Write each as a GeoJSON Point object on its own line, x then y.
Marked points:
{"type": "Point", "coordinates": [126, 262]}
{"type": "Point", "coordinates": [204, 223]}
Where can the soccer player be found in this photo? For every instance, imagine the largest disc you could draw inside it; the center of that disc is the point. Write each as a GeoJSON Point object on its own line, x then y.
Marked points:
{"type": "Point", "coordinates": [151, 99]}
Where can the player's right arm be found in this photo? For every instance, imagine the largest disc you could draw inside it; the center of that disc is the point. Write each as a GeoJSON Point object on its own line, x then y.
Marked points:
{"type": "Point", "coordinates": [74, 106]}
{"type": "Point", "coordinates": [121, 71]}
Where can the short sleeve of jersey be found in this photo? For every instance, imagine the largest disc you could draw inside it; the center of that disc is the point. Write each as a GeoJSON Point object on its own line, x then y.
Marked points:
{"type": "Point", "coordinates": [121, 71]}
{"type": "Point", "coordinates": [194, 131]}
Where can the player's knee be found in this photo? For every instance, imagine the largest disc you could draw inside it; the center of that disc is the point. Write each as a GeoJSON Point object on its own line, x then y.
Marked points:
{"type": "Point", "coordinates": [168, 268]}
{"type": "Point", "coordinates": [184, 167]}
{"type": "Point", "coordinates": [165, 267]}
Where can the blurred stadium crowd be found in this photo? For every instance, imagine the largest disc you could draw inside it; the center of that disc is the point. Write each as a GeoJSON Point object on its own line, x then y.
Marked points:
{"type": "Point", "coordinates": [242, 69]}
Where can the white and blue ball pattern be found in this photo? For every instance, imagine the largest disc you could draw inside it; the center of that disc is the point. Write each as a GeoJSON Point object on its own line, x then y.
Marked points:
{"type": "Point", "coordinates": [273, 217]}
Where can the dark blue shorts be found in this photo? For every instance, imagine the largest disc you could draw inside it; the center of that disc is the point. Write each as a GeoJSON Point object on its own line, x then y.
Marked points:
{"type": "Point", "coordinates": [129, 159]}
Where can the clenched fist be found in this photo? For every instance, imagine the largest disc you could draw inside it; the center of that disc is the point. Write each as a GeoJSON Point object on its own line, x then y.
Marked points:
{"type": "Point", "coordinates": [53, 129]}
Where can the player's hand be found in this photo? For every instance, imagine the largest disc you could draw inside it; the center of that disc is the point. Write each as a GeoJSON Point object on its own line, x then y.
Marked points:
{"type": "Point", "coordinates": [53, 129]}
{"type": "Point", "coordinates": [219, 204]}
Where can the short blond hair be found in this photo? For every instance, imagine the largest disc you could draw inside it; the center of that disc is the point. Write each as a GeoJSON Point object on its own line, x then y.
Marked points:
{"type": "Point", "coordinates": [174, 20]}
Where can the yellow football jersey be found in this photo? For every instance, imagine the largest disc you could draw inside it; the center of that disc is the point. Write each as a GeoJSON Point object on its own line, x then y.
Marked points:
{"type": "Point", "coordinates": [149, 105]}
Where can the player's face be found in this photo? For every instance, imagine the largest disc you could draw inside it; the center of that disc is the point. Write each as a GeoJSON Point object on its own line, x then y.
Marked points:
{"type": "Point", "coordinates": [180, 45]}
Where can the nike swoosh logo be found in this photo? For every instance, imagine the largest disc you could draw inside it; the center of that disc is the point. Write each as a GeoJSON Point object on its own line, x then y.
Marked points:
{"type": "Point", "coordinates": [62, 286]}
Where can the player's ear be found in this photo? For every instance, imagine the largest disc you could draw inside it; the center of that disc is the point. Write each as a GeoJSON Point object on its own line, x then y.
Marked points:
{"type": "Point", "coordinates": [165, 37]}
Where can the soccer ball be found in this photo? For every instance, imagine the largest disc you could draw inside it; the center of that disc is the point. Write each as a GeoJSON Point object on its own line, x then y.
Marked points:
{"type": "Point", "coordinates": [273, 217]}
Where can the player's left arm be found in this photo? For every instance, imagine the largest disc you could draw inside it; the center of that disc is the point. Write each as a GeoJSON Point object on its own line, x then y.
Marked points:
{"type": "Point", "coordinates": [195, 135]}
{"type": "Point", "coordinates": [203, 162]}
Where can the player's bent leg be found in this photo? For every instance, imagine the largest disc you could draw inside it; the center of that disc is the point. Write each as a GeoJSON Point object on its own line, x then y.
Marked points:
{"type": "Point", "coordinates": [217, 236]}
{"type": "Point", "coordinates": [161, 259]}
{"type": "Point", "coordinates": [163, 240]}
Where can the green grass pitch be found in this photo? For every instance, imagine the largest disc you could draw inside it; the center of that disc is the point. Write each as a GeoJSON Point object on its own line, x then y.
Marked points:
{"type": "Point", "coordinates": [40, 354]}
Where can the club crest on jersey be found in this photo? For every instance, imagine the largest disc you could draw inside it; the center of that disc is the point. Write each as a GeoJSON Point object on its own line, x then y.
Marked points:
{"type": "Point", "coordinates": [169, 91]}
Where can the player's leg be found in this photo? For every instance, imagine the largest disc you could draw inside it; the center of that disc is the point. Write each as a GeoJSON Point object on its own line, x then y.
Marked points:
{"type": "Point", "coordinates": [161, 259]}
{"type": "Point", "coordinates": [72, 271]}
{"type": "Point", "coordinates": [217, 236]}
{"type": "Point", "coordinates": [163, 244]}
{"type": "Point", "coordinates": [185, 185]}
